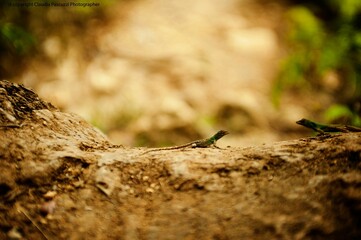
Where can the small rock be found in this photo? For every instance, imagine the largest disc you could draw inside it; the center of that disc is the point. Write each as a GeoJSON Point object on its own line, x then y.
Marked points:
{"type": "Point", "coordinates": [14, 234]}
{"type": "Point", "coordinates": [106, 180]}
{"type": "Point", "coordinates": [88, 208]}
{"type": "Point", "coordinates": [78, 184]}
{"type": "Point", "coordinates": [50, 195]}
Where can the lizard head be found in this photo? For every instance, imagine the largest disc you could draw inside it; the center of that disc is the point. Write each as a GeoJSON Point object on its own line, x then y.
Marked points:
{"type": "Point", "coordinates": [220, 134]}
{"type": "Point", "coordinates": [305, 122]}
{"type": "Point", "coordinates": [302, 121]}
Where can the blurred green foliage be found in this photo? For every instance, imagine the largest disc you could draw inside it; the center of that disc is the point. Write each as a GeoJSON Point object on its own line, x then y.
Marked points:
{"type": "Point", "coordinates": [337, 111]}
{"type": "Point", "coordinates": [15, 38]}
{"type": "Point", "coordinates": [324, 37]}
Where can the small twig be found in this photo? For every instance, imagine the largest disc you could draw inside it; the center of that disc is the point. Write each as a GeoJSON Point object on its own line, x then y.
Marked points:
{"type": "Point", "coordinates": [34, 223]}
{"type": "Point", "coordinates": [10, 126]}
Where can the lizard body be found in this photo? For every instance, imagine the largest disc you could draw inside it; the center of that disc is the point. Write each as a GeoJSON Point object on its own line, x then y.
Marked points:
{"type": "Point", "coordinates": [322, 129]}
{"type": "Point", "coordinates": [203, 143]}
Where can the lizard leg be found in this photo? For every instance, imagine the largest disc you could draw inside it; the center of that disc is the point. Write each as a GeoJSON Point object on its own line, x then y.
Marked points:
{"type": "Point", "coordinates": [320, 132]}
{"type": "Point", "coordinates": [215, 146]}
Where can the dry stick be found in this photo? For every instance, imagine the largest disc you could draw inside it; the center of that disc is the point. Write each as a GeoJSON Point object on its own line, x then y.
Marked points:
{"type": "Point", "coordinates": [34, 223]}
{"type": "Point", "coordinates": [10, 126]}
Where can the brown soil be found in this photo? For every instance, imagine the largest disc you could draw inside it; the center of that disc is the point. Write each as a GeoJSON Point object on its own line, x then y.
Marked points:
{"type": "Point", "coordinates": [62, 179]}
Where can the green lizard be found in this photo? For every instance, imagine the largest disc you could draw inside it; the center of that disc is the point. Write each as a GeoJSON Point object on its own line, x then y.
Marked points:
{"type": "Point", "coordinates": [322, 129]}
{"type": "Point", "coordinates": [204, 143]}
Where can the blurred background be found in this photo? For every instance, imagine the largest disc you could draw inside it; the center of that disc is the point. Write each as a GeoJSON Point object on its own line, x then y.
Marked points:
{"type": "Point", "coordinates": [164, 72]}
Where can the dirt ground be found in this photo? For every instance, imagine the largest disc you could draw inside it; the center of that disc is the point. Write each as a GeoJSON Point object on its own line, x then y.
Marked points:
{"type": "Point", "coordinates": [62, 179]}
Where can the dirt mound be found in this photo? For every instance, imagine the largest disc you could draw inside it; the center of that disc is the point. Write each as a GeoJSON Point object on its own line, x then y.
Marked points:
{"type": "Point", "coordinates": [62, 179]}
